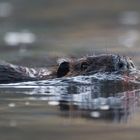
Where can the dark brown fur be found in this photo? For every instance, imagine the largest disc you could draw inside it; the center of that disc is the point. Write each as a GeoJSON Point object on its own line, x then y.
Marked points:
{"type": "Point", "coordinates": [67, 67]}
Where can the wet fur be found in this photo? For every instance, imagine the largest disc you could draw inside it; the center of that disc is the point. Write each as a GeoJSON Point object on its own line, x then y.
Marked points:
{"type": "Point", "coordinates": [66, 67]}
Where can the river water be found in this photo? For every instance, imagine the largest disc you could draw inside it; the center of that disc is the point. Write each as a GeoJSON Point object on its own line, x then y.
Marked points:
{"type": "Point", "coordinates": [83, 107]}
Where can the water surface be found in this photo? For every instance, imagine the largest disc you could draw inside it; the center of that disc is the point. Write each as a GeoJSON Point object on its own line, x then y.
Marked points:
{"type": "Point", "coordinates": [83, 107]}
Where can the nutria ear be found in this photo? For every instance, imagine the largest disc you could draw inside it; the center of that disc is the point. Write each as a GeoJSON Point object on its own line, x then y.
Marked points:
{"type": "Point", "coordinates": [63, 69]}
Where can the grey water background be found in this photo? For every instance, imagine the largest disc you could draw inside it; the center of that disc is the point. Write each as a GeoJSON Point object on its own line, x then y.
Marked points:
{"type": "Point", "coordinates": [36, 33]}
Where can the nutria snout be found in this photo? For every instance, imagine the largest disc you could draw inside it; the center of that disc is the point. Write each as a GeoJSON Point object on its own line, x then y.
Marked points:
{"type": "Point", "coordinates": [67, 67]}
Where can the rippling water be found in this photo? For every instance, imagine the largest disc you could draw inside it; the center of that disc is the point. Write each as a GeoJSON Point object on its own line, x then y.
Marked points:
{"type": "Point", "coordinates": [80, 107]}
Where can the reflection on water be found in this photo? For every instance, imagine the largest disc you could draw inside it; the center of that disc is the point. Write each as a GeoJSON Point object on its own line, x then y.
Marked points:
{"type": "Point", "coordinates": [115, 108]}
{"type": "Point", "coordinates": [57, 108]}
{"type": "Point", "coordinates": [91, 97]}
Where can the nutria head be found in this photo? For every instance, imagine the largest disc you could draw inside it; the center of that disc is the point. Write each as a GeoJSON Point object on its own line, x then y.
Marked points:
{"type": "Point", "coordinates": [94, 64]}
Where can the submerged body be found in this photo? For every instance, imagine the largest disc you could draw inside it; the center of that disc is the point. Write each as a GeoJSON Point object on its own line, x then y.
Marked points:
{"type": "Point", "coordinates": [67, 67]}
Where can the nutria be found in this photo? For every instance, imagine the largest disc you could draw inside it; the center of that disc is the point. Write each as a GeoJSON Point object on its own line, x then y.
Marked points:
{"type": "Point", "coordinates": [10, 73]}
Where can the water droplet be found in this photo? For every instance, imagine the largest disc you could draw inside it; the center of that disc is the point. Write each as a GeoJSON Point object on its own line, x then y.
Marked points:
{"type": "Point", "coordinates": [95, 114]}
{"type": "Point", "coordinates": [53, 103]}
{"type": "Point", "coordinates": [104, 107]}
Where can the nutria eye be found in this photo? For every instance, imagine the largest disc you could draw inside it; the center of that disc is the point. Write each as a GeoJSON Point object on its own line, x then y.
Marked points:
{"type": "Point", "coordinates": [120, 65]}
{"type": "Point", "coordinates": [84, 66]}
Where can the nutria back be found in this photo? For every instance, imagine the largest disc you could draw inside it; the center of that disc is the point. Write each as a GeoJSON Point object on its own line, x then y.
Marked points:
{"type": "Point", "coordinates": [10, 73]}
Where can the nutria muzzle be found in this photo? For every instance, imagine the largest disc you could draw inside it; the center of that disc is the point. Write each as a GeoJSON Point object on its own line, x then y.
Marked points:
{"type": "Point", "coordinates": [67, 68]}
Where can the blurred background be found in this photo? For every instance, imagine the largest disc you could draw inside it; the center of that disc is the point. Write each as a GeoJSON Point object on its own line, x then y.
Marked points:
{"type": "Point", "coordinates": [36, 32]}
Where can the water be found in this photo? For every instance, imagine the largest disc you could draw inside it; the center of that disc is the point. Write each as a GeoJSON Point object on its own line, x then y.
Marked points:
{"type": "Point", "coordinates": [82, 107]}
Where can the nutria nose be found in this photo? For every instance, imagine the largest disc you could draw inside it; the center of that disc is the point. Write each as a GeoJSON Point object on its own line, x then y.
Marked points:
{"type": "Point", "coordinates": [63, 69]}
